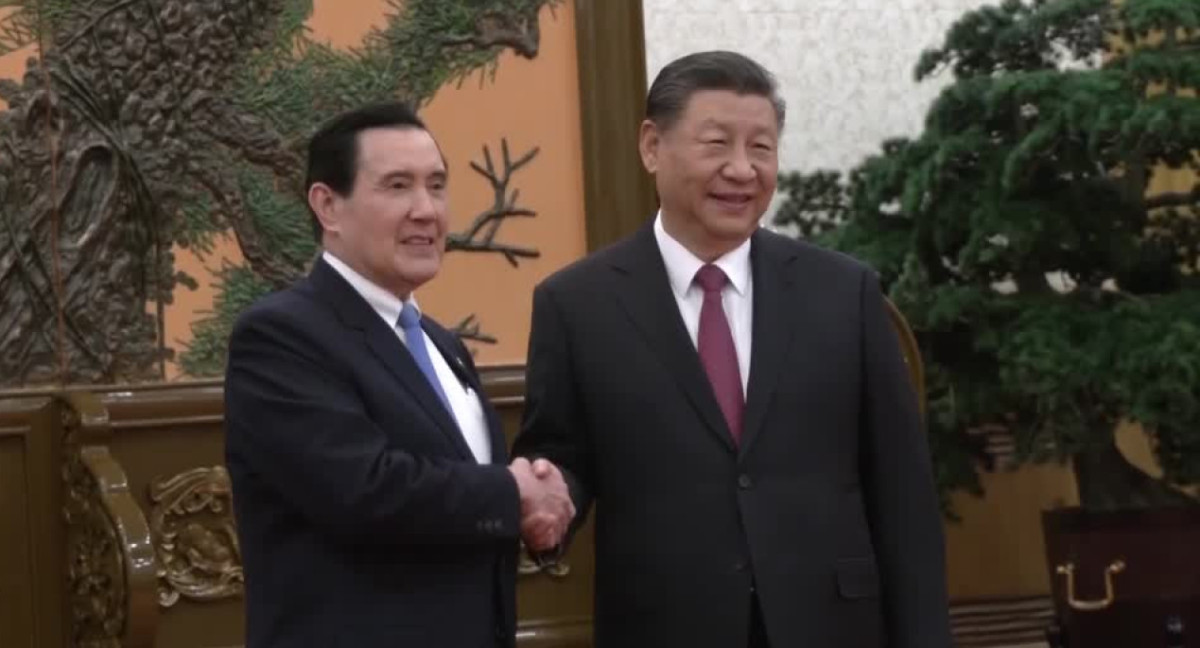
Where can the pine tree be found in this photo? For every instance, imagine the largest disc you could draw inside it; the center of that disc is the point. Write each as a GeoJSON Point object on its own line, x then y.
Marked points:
{"type": "Point", "coordinates": [1053, 284]}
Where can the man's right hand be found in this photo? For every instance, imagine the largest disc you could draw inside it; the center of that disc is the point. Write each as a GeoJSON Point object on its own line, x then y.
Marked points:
{"type": "Point", "coordinates": [546, 507]}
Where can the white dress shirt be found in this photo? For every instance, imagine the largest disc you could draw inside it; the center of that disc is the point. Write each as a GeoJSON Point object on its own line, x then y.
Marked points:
{"type": "Point", "coordinates": [464, 402]}
{"type": "Point", "coordinates": [737, 297]}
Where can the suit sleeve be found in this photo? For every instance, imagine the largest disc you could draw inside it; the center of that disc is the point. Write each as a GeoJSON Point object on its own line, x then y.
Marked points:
{"type": "Point", "coordinates": [898, 485]}
{"type": "Point", "coordinates": [299, 427]}
{"type": "Point", "coordinates": [553, 425]}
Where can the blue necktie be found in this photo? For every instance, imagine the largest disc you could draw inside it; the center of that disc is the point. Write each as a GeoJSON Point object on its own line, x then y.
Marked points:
{"type": "Point", "coordinates": [414, 337]}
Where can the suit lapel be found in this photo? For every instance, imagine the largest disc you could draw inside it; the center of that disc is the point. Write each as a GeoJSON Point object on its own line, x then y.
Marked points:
{"type": "Point", "coordinates": [776, 317]}
{"type": "Point", "coordinates": [645, 293]}
{"type": "Point", "coordinates": [357, 314]}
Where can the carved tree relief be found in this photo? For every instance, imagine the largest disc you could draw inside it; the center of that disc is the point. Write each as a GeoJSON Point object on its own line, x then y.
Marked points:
{"type": "Point", "coordinates": [146, 124]}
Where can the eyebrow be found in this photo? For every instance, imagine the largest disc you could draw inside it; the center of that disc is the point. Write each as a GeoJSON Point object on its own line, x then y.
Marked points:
{"type": "Point", "coordinates": [402, 174]}
{"type": "Point", "coordinates": [713, 123]}
{"type": "Point", "coordinates": [710, 124]}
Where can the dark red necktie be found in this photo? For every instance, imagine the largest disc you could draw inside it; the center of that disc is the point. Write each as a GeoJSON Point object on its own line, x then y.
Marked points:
{"type": "Point", "coordinates": [714, 341]}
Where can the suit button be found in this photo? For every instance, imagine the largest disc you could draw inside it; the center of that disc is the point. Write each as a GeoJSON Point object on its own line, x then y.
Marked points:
{"type": "Point", "coordinates": [741, 566]}
{"type": "Point", "coordinates": [744, 482]}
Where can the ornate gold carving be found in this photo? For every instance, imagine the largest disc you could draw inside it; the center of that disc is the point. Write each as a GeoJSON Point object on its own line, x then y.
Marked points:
{"type": "Point", "coordinates": [195, 536]}
{"type": "Point", "coordinates": [553, 568]}
{"type": "Point", "coordinates": [110, 561]}
{"type": "Point", "coordinates": [95, 565]}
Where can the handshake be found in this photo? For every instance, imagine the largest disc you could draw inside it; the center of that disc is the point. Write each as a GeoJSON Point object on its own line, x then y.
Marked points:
{"type": "Point", "coordinates": [546, 507]}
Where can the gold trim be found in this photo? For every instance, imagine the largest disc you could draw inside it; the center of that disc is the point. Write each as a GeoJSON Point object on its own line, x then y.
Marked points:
{"type": "Point", "coordinates": [1067, 570]}
{"type": "Point", "coordinates": [556, 569]}
{"type": "Point", "coordinates": [912, 352]}
{"type": "Point", "coordinates": [195, 537]}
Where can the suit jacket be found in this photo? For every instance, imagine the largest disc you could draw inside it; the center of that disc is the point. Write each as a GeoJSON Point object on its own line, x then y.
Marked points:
{"type": "Point", "coordinates": [826, 509]}
{"type": "Point", "coordinates": [363, 517]}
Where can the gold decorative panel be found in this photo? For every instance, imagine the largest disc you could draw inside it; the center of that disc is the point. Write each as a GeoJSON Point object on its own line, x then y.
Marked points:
{"type": "Point", "coordinates": [194, 535]}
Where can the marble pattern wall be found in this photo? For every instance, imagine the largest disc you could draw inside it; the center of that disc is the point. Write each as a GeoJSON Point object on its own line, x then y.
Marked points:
{"type": "Point", "coordinates": [845, 66]}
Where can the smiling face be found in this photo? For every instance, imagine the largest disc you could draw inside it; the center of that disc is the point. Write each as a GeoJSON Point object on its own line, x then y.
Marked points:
{"type": "Point", "coordinates": [715, 169]}
{"type": "Point", "coordinates": [391, 226]}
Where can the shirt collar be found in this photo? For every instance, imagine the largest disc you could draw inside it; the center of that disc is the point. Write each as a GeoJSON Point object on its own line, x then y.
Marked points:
{"type": "Point", "coordinates": [381, 301]}
{"type": "Point", "coordinates": [682, 265]}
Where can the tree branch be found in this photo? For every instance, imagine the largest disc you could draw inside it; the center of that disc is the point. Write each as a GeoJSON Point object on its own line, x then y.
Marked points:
{"type": "Point", "coordinates": [226, 195]}
{"type": "Point", "coordinates": [491, 31]}
{"type": "Point", "coordinates": [19, 240]}
{"type": "Point", "coordinates": [251, 137]}
{"type": "Point", "coordinates": [480, 236]}
{"type": "Point", "coordinates": [468, 329]}
{"type": "Point", "coordinates": [511, 253]}
{"type": "Point", "coordinates": [91, 24]}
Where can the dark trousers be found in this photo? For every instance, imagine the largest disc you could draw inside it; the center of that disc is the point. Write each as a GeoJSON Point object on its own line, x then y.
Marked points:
{"type": "Point", "coordinates": [758, 630]}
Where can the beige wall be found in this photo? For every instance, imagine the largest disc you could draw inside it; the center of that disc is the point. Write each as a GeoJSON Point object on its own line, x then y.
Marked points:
{"type": "Point", "coordinates": [997, 550]}
{"type": "Point", "coordinates": [845, 67]}
{"type": "Point", "coordinates": [12, 65]}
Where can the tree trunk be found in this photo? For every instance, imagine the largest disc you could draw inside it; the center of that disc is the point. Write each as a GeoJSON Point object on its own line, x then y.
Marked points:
{"type": "Point", "coordinates": [1108, 482]}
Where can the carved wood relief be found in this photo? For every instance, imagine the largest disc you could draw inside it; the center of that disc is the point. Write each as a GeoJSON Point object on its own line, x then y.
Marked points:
{"type": "Point", "coordinates": [143, 125]}
{"type": "Point", "coordinates": [95, 565]}
{"type": "Point", "coordinates": [110, 556]}
{"type": "Point", "coordinates": [195, 537]}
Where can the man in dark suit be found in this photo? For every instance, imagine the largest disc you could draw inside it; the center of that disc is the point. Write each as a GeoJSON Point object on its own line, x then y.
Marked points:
{"type": "Point", "coordinates": [373, 504]}
{"type": "Point", "coordinates": [735, 405]}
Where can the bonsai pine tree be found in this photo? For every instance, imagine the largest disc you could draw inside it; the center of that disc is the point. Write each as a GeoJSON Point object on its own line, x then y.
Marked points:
{"type": "Point", "coordinates": [1043, 238]}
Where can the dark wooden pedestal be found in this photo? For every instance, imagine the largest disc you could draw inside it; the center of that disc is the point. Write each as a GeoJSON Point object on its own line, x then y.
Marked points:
{"type": "Point", "coordinates": [1152, 560]}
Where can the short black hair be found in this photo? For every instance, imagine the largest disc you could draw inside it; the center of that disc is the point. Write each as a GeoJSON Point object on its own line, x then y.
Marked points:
{"type": "Point", "coordinates": [333, 149]}
{"type": "Point", "coordinates": [713, 70]}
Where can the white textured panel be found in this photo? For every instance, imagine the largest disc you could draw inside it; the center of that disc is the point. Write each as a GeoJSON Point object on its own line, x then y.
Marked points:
{"type": "Point", "coordinates": [845, 67]}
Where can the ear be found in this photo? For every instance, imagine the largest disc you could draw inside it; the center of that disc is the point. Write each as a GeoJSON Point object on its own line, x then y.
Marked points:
{"type": "Point", "coordinates": [649, 139]}
{"type": "Point", "coordinates": [323, 200]}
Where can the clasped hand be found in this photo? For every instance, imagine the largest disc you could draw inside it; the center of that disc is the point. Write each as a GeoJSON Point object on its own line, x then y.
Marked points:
{"type": "Point", "coordinates": [546, 507]}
